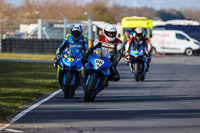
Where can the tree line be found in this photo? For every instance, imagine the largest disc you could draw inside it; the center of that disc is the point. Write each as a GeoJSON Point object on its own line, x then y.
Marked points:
{"type": "Point", "coordinates": [100, 10]}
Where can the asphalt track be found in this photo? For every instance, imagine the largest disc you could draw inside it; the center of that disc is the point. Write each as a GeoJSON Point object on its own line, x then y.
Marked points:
{"type": "Point", "coordinates": [168, 101]}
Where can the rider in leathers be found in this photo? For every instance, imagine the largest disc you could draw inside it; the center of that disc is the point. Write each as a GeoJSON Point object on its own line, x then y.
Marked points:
{"type": "Point", "coordinates": [109, 43]}
{"type": "Point", "coordinates": [140, 37]}
{"type": "Point", "coordinates": [75, 39]}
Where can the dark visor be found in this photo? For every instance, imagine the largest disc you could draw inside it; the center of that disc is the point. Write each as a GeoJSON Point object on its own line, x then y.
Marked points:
{"type": "Point", "coordinates": [111, 34]}
{"type": "Point", "coordinates": [76, 34]}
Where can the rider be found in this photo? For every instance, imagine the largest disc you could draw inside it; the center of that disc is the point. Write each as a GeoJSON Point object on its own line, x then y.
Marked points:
{"type": "Point", "coordinates": [109, 43]}
{"type": "Point", "coordinates": [140, 37]}
{"type": "Point", "coordinates": [75, 39]}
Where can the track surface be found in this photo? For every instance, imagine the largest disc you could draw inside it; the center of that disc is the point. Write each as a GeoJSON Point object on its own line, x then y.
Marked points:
{"type": "Point", "coordinates": [168, 101]}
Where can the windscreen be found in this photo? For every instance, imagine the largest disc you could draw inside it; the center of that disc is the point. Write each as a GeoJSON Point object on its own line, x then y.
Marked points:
{"type": "Point", "coordinates": [71, 51]}
{"type": "Point", "coordinates": [99, 53]}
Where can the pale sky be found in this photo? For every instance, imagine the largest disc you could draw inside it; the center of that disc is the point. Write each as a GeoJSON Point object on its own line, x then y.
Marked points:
{"type": "Point", "coordinates": [165, 4]}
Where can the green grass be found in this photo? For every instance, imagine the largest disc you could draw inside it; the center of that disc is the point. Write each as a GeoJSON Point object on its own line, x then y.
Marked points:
{"type": "Point", "coordinates": [21, 83]}
{"type": "Point", "coordinates": [27, 56]}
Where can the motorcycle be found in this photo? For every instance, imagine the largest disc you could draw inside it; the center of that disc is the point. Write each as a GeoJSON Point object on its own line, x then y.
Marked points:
{"type": "Point", "coordinates": [137, 62]}
{"type": "Point", "coordinates": [69, 70]}
{"type": "Point", "coordinates": [96, 69]}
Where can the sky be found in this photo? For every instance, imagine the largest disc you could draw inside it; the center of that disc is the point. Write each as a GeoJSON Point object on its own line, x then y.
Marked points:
{"type": "Point", "coordinates": [165, 4]}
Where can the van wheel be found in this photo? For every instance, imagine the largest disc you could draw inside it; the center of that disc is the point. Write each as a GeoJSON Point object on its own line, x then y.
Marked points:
{"type": "Point", "coordinates": [189, 52]}
{"type": "Point", "coordinates": [153, 51]}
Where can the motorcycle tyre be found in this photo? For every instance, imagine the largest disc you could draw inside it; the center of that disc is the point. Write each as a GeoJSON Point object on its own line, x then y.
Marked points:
{"type": "Point", "coordinates": [90, 89]}
{"type": "Point", "coordinates": [136, 71]}
{"type": "Point", "coordinates": [142, 77]}
{"type": "Point", "coordinates": [68, 86]}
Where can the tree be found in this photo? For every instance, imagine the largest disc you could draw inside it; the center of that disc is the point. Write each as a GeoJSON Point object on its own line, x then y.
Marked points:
{"type": "Point", "coordinates": [99, 11]}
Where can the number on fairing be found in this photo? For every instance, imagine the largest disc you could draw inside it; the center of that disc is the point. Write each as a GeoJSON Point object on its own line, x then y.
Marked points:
{"type": "Point", "coordinates": [99, 63]}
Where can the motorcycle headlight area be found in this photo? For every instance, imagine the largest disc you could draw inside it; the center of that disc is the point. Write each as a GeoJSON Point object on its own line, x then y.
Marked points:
{"type": "Point", "coordinates": [74, 67]}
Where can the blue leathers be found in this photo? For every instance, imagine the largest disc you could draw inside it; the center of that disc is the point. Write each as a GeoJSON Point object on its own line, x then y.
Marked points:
{"type": "Point", "coordinates": [81, 44]}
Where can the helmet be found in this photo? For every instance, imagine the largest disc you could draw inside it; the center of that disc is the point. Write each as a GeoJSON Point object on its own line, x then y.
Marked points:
{"type": "Point", "coordinates": [76, 31]}
{"type": "Point", "coordinates": [139, 32]}
{"type": "Point", "coordinates": [110, 32]}
{"type": "Point", "coordinates": [132, 33]}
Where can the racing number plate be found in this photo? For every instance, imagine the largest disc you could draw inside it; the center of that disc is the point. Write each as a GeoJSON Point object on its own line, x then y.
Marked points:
{"type": "Point", "coordinates": [70, 60]}
{"type": "Point", "coordinates": [99, 63]}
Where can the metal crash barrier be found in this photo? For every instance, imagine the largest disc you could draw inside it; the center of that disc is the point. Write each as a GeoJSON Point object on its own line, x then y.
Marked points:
{"type": "Point", "coordinates": [33, 46]}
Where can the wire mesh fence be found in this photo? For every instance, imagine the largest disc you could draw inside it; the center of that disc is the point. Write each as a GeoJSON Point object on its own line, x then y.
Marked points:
{"type": "Point", "coordinates": [20, 36]}
{"type": "Point", "coordinates": [28, 28]}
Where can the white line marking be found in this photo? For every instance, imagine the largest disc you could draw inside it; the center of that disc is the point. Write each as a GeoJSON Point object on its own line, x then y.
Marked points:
{"type": "Point", "coordinates": [5, 126]}
{"type": "Point", "coordinates": [17, 117]}
{"type": "Point", "coordinates": [13, 131]}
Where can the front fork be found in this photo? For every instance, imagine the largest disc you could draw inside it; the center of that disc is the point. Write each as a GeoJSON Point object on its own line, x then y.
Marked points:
{"type": "Point", "coordinates": [60, 75]}
{"type": "Point", "coordinates": [100, 82]}
{"type": "Point", "coordinates": [76, 79]}
{"type": "Point", "coordinates": [132, 66]}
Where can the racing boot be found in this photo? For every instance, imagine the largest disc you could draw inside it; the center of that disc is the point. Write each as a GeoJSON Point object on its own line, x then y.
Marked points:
{"type": "Point", "coordinates": [127, 60]}
{"type": "Point", "coordinates": [131, 67]}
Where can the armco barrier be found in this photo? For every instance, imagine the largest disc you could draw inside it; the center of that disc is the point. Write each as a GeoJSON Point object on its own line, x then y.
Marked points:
{"type": "Point", "coordinates": [33, 46]}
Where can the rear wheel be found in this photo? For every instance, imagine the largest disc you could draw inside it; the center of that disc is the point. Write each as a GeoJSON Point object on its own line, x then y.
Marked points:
{"type": "Point", "coordinates": [68, 85]}
{"type": "Point", "coordinates": [189, 52]}
{"type": "Point", "coordinates": [90, 89]}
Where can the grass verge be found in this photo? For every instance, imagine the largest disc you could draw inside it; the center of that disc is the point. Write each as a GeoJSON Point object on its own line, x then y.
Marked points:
{"type": "Point", "coordinates": [21, 83]}
{"type": "Point", "coordinates": [27, 56]}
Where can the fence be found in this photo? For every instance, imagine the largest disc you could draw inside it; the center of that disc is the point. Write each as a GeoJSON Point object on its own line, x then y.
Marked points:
{"type": "Point", "coordinates": [34, 46]}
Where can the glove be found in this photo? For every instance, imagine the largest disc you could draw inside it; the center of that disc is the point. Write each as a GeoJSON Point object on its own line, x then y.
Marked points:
{"type": "Point", "coordinates": [55, 64]}
{"type": "Point", "coordinates": [99, 44]}
{"type": "Point", "coordinates": [56, 59]}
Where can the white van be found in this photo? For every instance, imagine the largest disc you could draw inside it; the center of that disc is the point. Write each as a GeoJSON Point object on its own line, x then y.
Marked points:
{"type": "Point", "coordinates": [173, 41]}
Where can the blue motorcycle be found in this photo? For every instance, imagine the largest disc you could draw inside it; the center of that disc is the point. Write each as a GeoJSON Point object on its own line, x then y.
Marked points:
{"type": "Point", "coordinates": [69, 69]}
{"type": "Point", "coordinates": [96, 70]}
{"type": "Point", "coordinates": [137, 62]}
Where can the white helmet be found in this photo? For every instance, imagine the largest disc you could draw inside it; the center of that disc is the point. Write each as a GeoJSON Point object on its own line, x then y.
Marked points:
{"type": "Point", "coordinates": [110, 32]}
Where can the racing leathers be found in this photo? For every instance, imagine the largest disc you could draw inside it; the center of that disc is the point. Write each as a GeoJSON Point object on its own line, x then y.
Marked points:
{"type": "Point", "coordinates": [114, 48]}
{"type": "Point", "coordinates": [143, 41]}
{"type": "Point", "coordinates": [81, 44]}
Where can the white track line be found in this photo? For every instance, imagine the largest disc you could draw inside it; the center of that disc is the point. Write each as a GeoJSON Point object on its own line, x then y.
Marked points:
{"type": "Point", "coordinates": [13, 131]}
{"type": "Point", "coordinates": [21, 114]}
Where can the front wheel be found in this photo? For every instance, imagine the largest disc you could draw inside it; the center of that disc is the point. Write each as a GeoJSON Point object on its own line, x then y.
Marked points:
{"type": "Point", "coordinates": [136, 71]}
{"type": "Point", "coordinates": [68, 86]}
{"type": "Point", "coordinates": [90, 89]}
{"type": "Point", "coordinates": [189, 52]}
